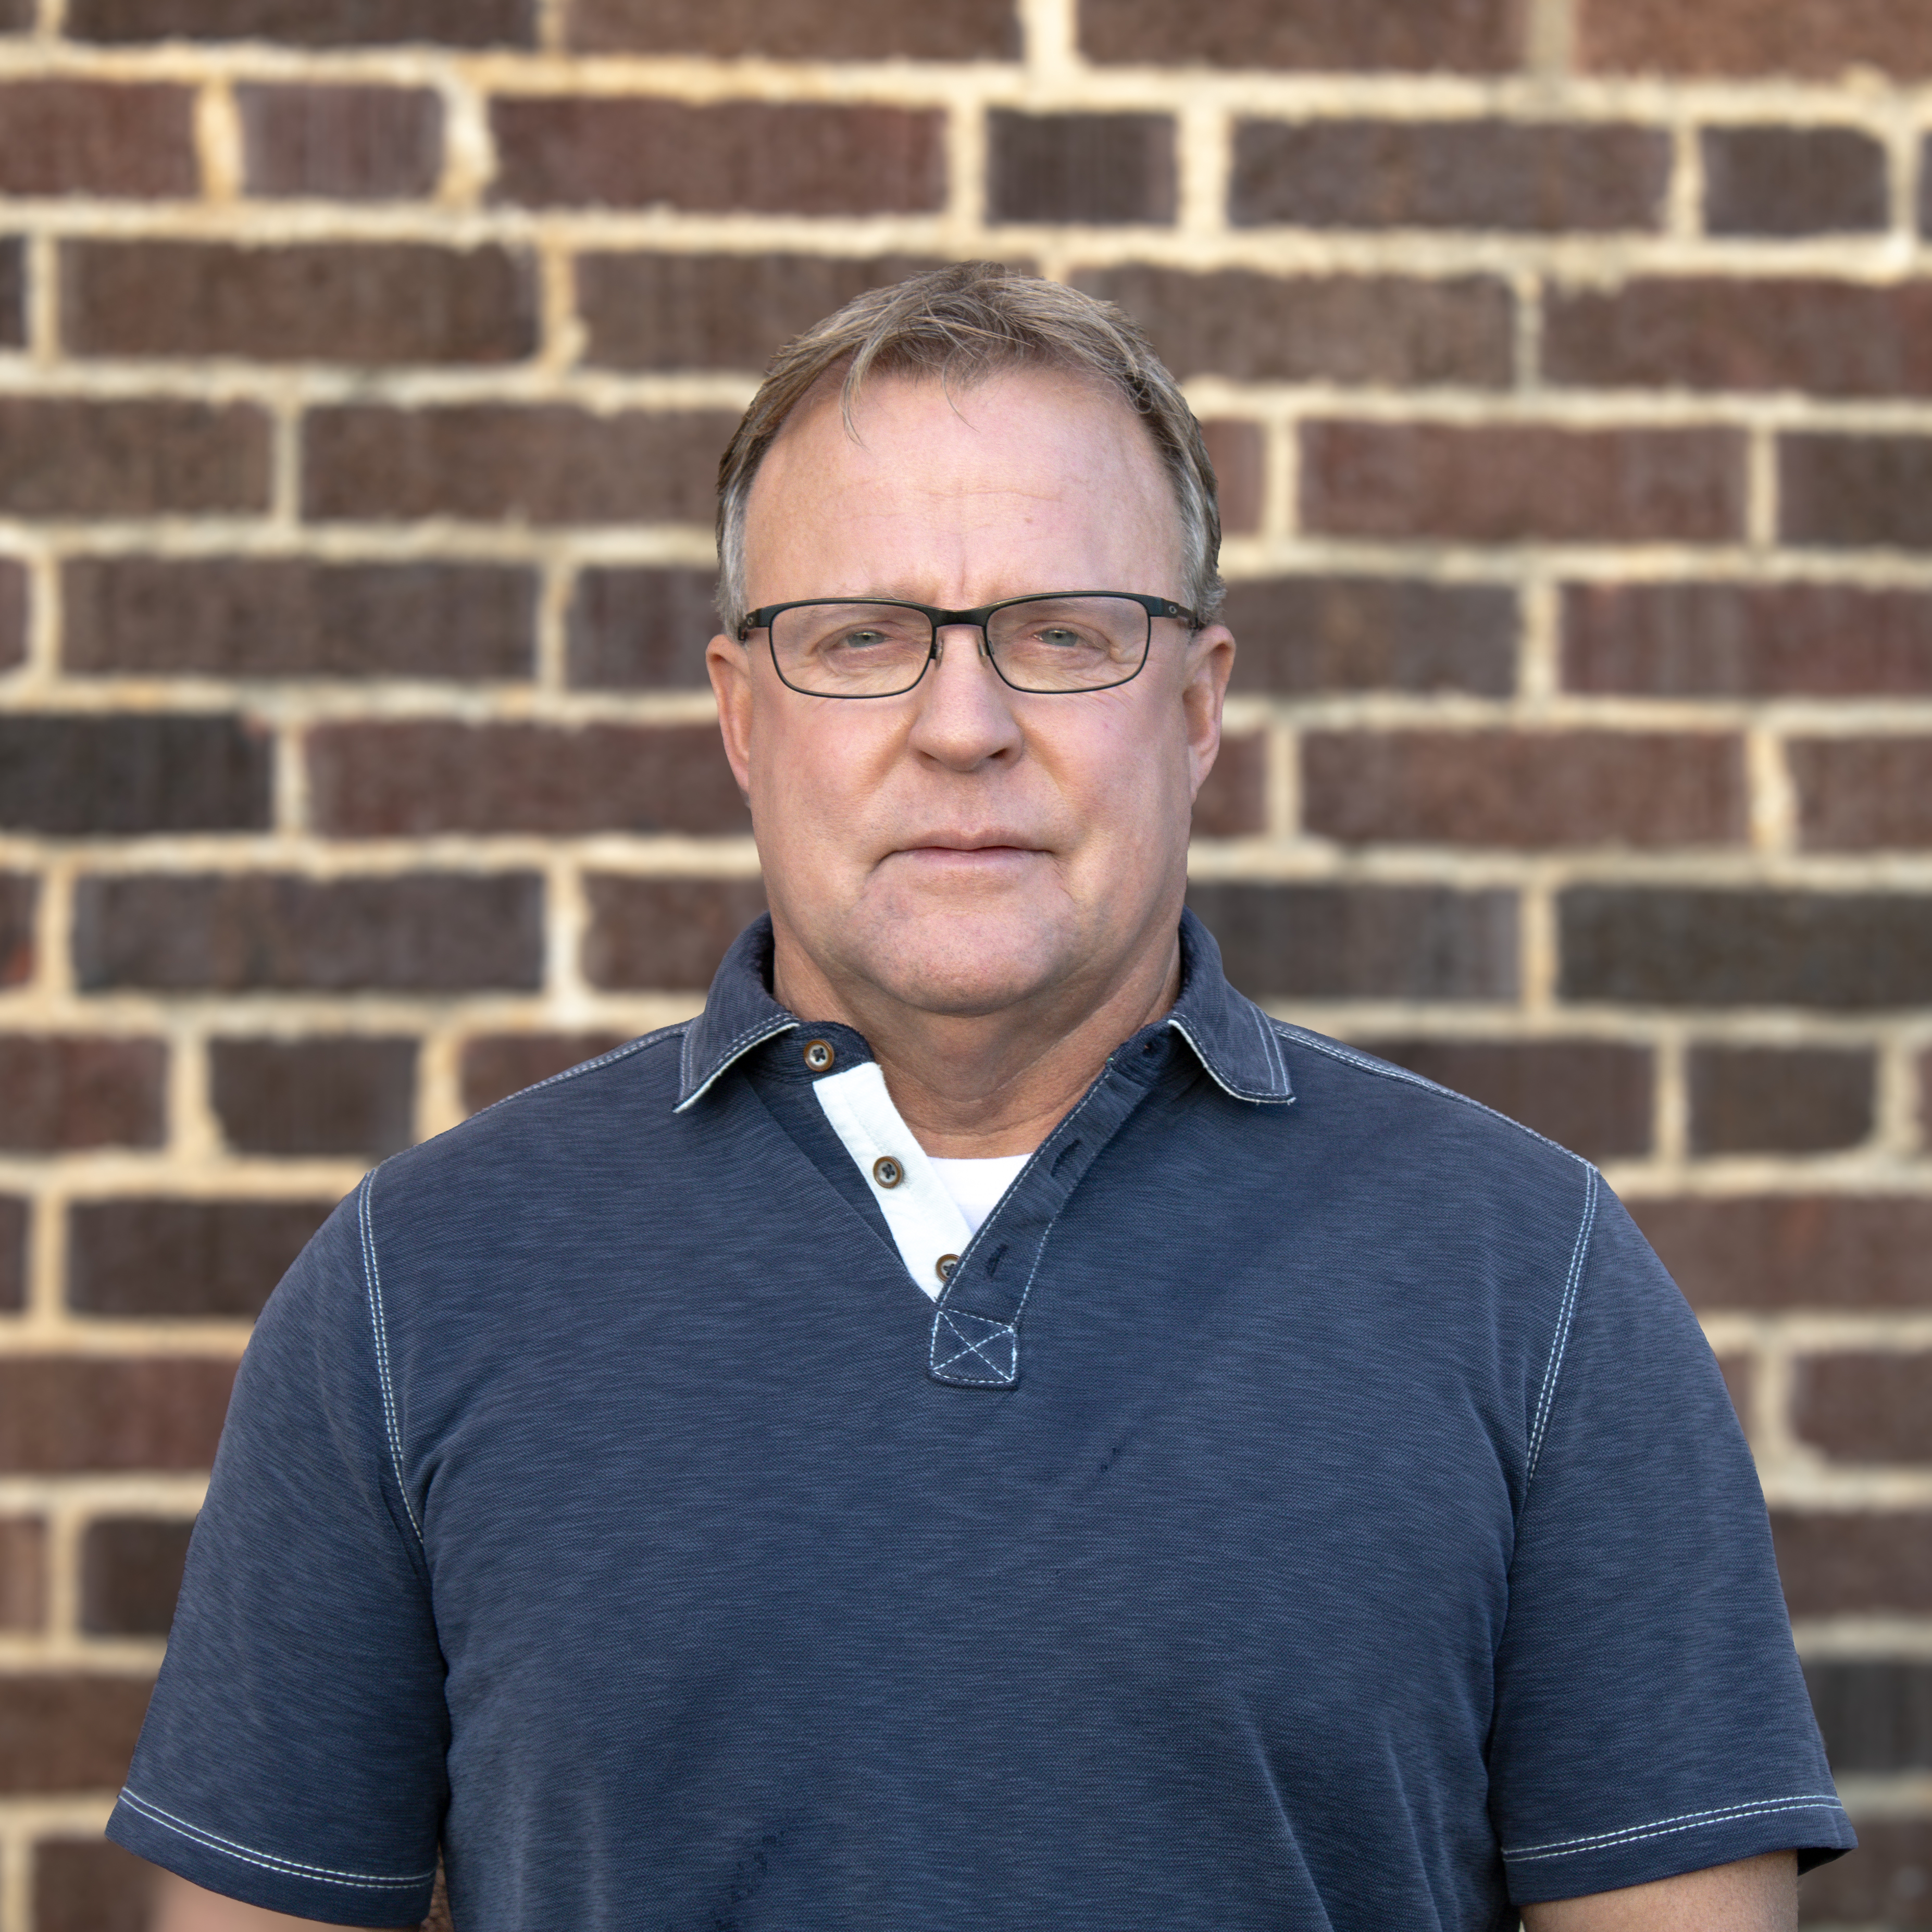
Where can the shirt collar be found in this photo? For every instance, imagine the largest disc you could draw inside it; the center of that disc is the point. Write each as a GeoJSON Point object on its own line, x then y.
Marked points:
{"type": "Point", "coordinates": [1233, 1039]}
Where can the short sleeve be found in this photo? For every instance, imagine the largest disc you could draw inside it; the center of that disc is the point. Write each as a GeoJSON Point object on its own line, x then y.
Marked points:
{"type": "Point", "coordinates": [293, 1753]}
{"type": "Point", "coordinates": [1651, 1716]}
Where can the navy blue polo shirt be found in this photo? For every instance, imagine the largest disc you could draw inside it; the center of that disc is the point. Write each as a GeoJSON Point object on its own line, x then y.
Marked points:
{"type": "Point", "coordinates": [1309, 1505]}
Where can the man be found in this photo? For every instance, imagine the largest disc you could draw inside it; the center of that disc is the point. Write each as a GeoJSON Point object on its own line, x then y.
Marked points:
{"type": "Point", "coordinates": [983, 1427]}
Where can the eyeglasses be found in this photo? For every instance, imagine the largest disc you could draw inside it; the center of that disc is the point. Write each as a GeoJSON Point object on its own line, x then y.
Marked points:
{"type": "Point", "coordinates": [1073, 640]}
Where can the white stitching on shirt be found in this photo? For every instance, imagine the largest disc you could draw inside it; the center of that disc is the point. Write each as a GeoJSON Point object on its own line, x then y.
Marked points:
{"type": "Point", "coordinates": [392, 1428]}
{"type": "Point", "coordinates": [1546, 1395]}
{"type": "Point", "coordinates": [268, 1861]}
{"type": "Point", "coordinates": [1660, 1828]}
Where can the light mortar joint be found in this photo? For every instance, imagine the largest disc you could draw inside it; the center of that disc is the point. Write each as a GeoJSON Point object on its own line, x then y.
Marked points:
{"type": "Point", "coordinates": [1283, 814]}
{"type": "Point", "coordinates": [567, 910]}
{"type": "Point", "coordinates": [1538, 672]}
{"type": "Point", "coordinates": [469, 150]}
{"type": "Point", "coordinates": [1879, 1794]}
{"type": "Point", "coordinates": [1864, 1636]}
{"type": "Point", "coordinates": [1203, 162]}
{"type": "Point", "coordinates": [1773, 796]}
{"type": "Point", "coordinates": [563, 336]}
{"type": "Point", "coordinates": [1904, 1074]}
{"type": "Point", "coordinates": [964, 222]}
{"type": "Point", "coordinates": [1526, 330]}
{"type": "Point", "coordinates": [439, 1097]}
{"type": "Point", "coordinates": [1683, 196]}
{"type": "Point", "coordinates": [218, 143]}
{"type": "Point", "coordinates": [194, 1134]}
{"type": "Point", "coordinates": [1050, 41]}
{"type": "Point", "coordinates": [1670, 1105]}
{"type": "Point", "coordinates": [557, 585]}
{"type": "Point", "coordinates": [42, 302]}
{"type": "Point", "coordinates": [1550, 42]}
{"type": "Point", "coordinates": [1538, 964]}
{"type": "Point", "coordinates": [1761, 487]}
{"type": "Point", "coordinates": [42, 664]}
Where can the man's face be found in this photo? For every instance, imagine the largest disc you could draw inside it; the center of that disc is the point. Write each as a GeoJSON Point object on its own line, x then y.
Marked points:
{"type": "Point", "coordinates": [965, 848]}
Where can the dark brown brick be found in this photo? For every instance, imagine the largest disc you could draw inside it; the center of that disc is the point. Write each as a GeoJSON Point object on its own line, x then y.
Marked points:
{"type": "Point", "coordinates": [96, 775]}
{"type": "Point", "coordinates": [67, 1090]}
{"type": "Point", "coordinates": [1362, 942]}
{"type": "Point", "coordinates": [330, 302]}
{"type": "Point", "coordinates": [1766, 1099]}
{"type": "Point", "coordinates": [344, 143]}
{"type": "Point", "coordinates": [1746, 640]}
{"type": "Point", "coordinates": [1876, 1712]}
{"type": "Point", "coordinates": [1792, 181]}
{"type": "Point", "coordinates": [1728, 332]}
{"type": "Point", "coordinates": [13, 613]}
{"type": "Point", "coordinates": [143, 1258]}
{"type": "Point", "coordinates": [1836, 1563]}
{"type": "Point", "coordinates": [864, 30]}
{"type": "Point", "coordinates": [641, 629]}
{"type": "Point", "coordinates": [758, 158]}
{"type": "Point", "coordinates": [1667, 947]}
{"type": "Point", "coordinates": [495, 1065]}
{"type": "Point", "coordinates": [68, 1732]}
{"type": "Point", "coordinates": [64, 1415]}
{"type": "Point", "coordinates": [1525, 789]}
{"type": "Point", "coordinates": [1820, 38]}
{"type": "Point", "coordinates": [663, 933]}
{"type": "Point", "coordinates": [1238, 452]}
{"type": "Point", "coordinates": [346, 1094]}
{"type": "Point", "coordinates": [91, 1884]}
{"type": "Point", "coordinates": [23, 1572]}
{"type": "Point", "coordinates": [1338, 328]}
{"type": "Point", "coordinates": [1588, 1096]}
{"type": "Point", "coordinates": [1856, 492]}
{"type": "Point", "coordinates": [1505, 484]}
{"type": "Point", "coordinates": [1309, 634]}
{"type": "Point", "coordinates": [1101, 169]}
{"type": "Point", "coordinates": [62, 457]}
{"type": "Point", "coordinates": [265, 932]}
{"type": "Point", "coordinates": [1857, 794]}
{"type": "Point", "coordinates": [20, 901]}
{"type": "Point", "coordinates": [12, 293]}
{"type": "Point", "coordinates": [235, 616]}
{"type": "Point", "coordinates": [1234, 799]}
{"type": "Point", "coordinates": [458, 23]}
{"type": "Point", "coordinates": [1887, 1881]}
{"type": "Point", "coordinates": [1864, 1407]}
{"type": "Point", "coordinates": [654, 311]}
{"type": "Point", "coordinates": [1407, 36]}
{"type": "Point", "coordinates": [1828, 1251]}
{"type": "Point", "coordinates": [550, 464]}
{"type": "Point", "coordinates": [59, 137]}
{"type": "Point", "coordinates": [1520, 178]}
{"type": "Point", "coordinates": [1739, 1373]}
{"type": "Point", "coordinates": [16, 17]}
{"type": "Point", "coordinates": [12, 1252]}
{"type": "Point", "coordinates": [130, 1574]}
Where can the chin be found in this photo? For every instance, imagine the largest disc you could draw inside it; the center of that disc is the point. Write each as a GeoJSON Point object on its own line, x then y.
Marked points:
{"type": "Point", "coordinates": [961, 966]}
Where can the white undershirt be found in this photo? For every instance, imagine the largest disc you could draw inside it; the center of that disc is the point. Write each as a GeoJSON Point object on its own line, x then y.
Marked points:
{"type": "Point", "coordinates": [976, 1185]}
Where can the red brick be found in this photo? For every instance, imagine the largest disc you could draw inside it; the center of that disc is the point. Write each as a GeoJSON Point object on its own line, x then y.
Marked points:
{"type": "Point", "coordinates": [666, 933]}
{"type": "Point", "coordinates": [1100, 169]}
{"type": "Point", "coordinates": [662, 311]}
{"type": "Point", "coordinates": [273, 617]}
{"type": "Point", "coordinates": [340, 1094]}
{"type": "Point", "coordinates": [344, 143]}
{"type": "Point", "coordinates": [1507, 484]}
{"type": "Point", "coordinates": [66, 1415]}
{"type": "Point", "coordinates": [130, 1572]}
{"type": "Point", "coordinates": [1729, 332]}
{"type": "Point", "coordinates": [1381, 329]}
{"type": "Point", "coordinates": [23, 1572]}
{"type": "Point", "coordinates": [1766, 1099]}
{"type": "Point", "coordinates": [1586, 1095]}
{"type": "Point", "coordinates": [68, 1732]}
{"type": "Point", "coordinates": [641, 629]}
{"type": "Point", "coordinates": [1667, 945]}
{"type": "Point", "coordinates": [92, 774]}
{"type": "Point", "coordinates": [13, 613]}
{"type": "Point", "coordinates": [1238, 452]}
{"type": "Point", "coordinates": [1887, 1881]}
{"type": "Point", "coordinates": [460, 23]}
{"type": "Point", "coordinates": [1818, 38]}
{"type": "Point", "coordinates": [1857, 794]}
{"type": "Point", "coordinates": [1856, 492]}
{"type": "Point", "coordinates": [60, 137]}
{"type": "Point", "coordinates": [1739, 1373]}
{"type": "Point", "coordinates": [1829, 1251]}
{"type": "Point", "coordinates": [63, 457]}
{"type": "Point", "coordinates": [1792, 181]}
{"type": "Point", "coordinates": [1875, 1712]}
{"type": "Point", "coordinates": [91, 1884]}
{"type": "Point", "coordinates": [410, 780]}
{"type": "Point", "coordinates": [328, 302]}
{"type": "Point", "coordinates": [144, 1258]}
{"type": "Point", "coordinates": [12, 293]}
{"type": "Point", "coordinates": [1518, 177]}
{"type": "Point", "coordinates": [1865, 1408]}
{"type": "Point", "coordinates": [263, 932]}
{"type": "Point", "coordinates": [1234, 799]}
{"type": "Point", "coordinates": [495, 1065]}
{"type": "Point", "coordinates": [67, 1090]}
{"type": "Point", "coordinates": [1746, 640]}
{"type": "Point", "coordinates": [12, 1252]}
{"type": "Point", "coordinates": [494, 462]}
{"type": "Point", "coordinates": [1309, 634]}
{"type": "Point", "coordinates": [1362, 942]}
{"type": "Point", "coordinates": [811, 30]}
{"type": "Point", "coordinates": [1837, 1563]}
{"type": "Point", "coordinates": [759, 157]}
{"type": "Point", "coordinates": [20, 901]}
{"type": "Point", "coordinates": [1408, 36]}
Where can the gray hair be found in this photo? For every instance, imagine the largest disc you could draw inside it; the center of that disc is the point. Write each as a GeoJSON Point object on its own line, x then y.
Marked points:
{"type": "Point", "coordinates": [961, 324]}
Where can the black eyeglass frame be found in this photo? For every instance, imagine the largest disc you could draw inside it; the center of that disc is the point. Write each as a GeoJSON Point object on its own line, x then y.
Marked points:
{"type": "Point", "coordinates": [761, 620]}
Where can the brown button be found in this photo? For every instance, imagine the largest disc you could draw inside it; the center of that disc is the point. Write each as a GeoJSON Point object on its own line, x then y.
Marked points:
{"type": "Point", "coordinates": [944, 1266]}
{"type": "Point", "coordinates": [887, 1172]}
{"type": "Point", "coordinates": [818, 1054]}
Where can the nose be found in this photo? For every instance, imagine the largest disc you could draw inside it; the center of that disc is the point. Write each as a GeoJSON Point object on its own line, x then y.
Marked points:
{"type": "Point", "coordinates": [965, 714]}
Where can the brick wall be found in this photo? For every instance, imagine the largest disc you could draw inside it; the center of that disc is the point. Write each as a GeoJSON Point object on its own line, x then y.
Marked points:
{"type": "Point", "coordinates": [1568, 364]}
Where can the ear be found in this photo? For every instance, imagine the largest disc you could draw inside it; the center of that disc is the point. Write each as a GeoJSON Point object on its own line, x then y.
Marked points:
{"type": "Point", "coordinates": [729, 663]}
{"type": "Point", "coordinates": [1211, 663]}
